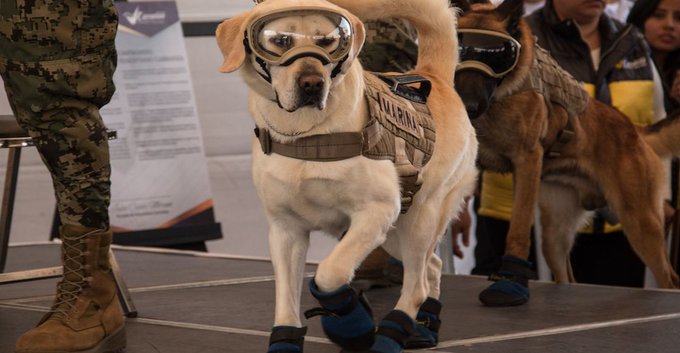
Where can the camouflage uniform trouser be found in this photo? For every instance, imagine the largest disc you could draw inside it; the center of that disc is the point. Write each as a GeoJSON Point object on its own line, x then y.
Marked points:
{"type": "Point", "coordinates": [390, 46]}
{"type": "Point", "coordinates": [57, 59]}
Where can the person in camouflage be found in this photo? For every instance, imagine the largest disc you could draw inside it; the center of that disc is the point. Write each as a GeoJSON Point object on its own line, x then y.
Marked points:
{"type": "Point", "coordinates": [390, 46]}
{"type": "Point", "coordinates": [57, 60]}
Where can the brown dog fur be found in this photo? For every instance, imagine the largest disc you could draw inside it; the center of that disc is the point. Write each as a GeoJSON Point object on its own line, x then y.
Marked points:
{"type": "Point", "coordinates": [607, 160]}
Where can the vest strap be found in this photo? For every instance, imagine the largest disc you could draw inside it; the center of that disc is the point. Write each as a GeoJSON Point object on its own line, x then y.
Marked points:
{"type": "Point", "coordinates": [563, 138]}
{"type": "Point", "coordinates": [318, 148]}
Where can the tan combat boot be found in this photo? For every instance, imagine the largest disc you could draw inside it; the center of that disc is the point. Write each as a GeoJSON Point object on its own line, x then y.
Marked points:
{"type": "Point", "coordinates": [86, 316]}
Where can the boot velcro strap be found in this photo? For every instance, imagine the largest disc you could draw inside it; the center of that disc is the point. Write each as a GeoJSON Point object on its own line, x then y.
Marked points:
{"type": "Point", "coordinates": [515, 270]}
{"type": "Point", "coordinates": [294, 335]}
{"type": "Point", "coordinates": [432, 306]}
{"type": "Point", "coordinates": [393, 334]}
{"type": "Point", "coordinates": [516, 266]}
{"type": "Point", "coordinates": [513, 277]}
{"type": "Point", "coordinates": [339, 299]}
{"type": "Point", "coordinates": [431, 324]}
{"type": "Point", "coordinates": [319, 311]}
{"type": "Point", "coordinates": [402, 319]}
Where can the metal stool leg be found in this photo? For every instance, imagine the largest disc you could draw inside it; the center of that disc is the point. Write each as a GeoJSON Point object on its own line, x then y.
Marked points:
{"type": "Point", "coordinates": [8, 203]}
{"type": "Point", "coordinates": [123, 292]}
{"type": "Point", "coordinates": [52, 272]}
{"type": "Point", "coordinates": [446, 253]}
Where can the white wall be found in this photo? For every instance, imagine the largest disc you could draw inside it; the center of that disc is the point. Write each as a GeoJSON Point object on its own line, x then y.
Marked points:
{"type": "Point", "coordinates": [211, 10]}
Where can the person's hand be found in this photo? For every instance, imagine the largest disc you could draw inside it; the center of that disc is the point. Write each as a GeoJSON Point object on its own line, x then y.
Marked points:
{"type": "Point", "coordinates": [668, 213]}
{"type": "Point", "coordinates": [461, 227]}
{"type": "Point", "coordinates": [675, 88]}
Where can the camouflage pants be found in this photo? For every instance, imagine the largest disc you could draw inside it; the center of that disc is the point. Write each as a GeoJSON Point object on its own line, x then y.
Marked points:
{"type": "Point", "coordinates": [57, 60]}
{"type": "Point", "coordinates": [390, 46]}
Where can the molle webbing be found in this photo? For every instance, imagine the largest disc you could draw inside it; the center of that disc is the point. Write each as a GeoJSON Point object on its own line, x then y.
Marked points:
{"type": "Point", "coordinates": [555, 84]}
{"type": "Point", "coordinates": [557, 87]}
{"type": "Point", "coordinates": [406, 135]}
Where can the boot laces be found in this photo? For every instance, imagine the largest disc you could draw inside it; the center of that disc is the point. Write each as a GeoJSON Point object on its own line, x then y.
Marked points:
{"type": "Point", "coordinates": [75, 278]}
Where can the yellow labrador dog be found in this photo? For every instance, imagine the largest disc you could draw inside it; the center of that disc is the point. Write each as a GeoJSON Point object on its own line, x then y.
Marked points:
{"type": "Point", "coordinates": [315, 166]}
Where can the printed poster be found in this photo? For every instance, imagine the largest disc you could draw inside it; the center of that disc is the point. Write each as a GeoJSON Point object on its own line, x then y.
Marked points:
{"type": "Point", "coordinates": [159, 172]}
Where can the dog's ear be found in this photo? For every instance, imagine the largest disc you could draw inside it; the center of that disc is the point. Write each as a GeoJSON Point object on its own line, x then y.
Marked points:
{"type": "Point", "coordinates": [511, 11]}
{"type": "Point", "coordinates": [230, 35]}
{"type": "Point", "coordinates": [358, 38]}
{"type": "Point", "coordinates": [463, 5]}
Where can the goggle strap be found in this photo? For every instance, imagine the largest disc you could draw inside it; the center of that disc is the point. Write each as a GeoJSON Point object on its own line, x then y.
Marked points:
{"type": "Point", "coordinates": [246, 45]}
{"type": "Point", "coordinates": [263, 65]}
{"type": "Point", "coordinates": [338, 67]}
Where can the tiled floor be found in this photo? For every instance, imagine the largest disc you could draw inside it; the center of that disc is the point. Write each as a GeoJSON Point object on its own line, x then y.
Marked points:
{"type": "Point", "coordinates": [195, 303]}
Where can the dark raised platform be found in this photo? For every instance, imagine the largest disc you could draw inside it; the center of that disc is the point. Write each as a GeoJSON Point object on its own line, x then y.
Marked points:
{"type": "Point", "coordinates": [192, 303]}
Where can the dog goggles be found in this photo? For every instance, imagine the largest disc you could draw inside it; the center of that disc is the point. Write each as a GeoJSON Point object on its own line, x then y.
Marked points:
{"type": "Point", "coordinates": [494, 53]}
{"type": "Point", "coordinates": [280, 38]}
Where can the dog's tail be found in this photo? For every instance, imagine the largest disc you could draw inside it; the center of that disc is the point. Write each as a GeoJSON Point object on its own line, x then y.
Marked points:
{"type": "Point", "coordinates": [434, 20]}
{"type": "Point", "coordinates": [664, 136]}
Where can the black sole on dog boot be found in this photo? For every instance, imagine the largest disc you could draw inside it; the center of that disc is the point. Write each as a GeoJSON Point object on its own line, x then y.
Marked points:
{"type": "Point", "coordinates": [511, 283]}
{"type": "Point", "coordinates": [346, 317]}
{"type": "Point", "coordinates": [287, 339]}
{"type": "Point", "coordinates": [427, 325]}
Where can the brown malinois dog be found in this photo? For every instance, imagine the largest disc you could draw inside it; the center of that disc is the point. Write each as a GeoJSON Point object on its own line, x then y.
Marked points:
{"type": "Point", "coordinates": [568, 153]}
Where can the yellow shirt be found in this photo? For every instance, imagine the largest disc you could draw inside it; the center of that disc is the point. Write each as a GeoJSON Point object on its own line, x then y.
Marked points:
{"type": "Point", "coordinates": [634, 98]}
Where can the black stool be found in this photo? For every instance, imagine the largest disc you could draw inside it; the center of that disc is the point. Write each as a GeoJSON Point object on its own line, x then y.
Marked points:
{"type": "Point", "coordinates": [13, 137]}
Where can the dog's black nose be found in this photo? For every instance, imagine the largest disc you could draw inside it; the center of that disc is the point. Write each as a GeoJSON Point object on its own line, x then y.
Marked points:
{"type": "Point", "coordinates": [311, 83]}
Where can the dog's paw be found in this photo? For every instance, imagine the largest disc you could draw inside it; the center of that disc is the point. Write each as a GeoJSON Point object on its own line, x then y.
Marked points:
{"type": "Point", "coordinates": [511, 283]}
{"type": "Point", "coordinates": [287, 339]}
{"type": "Point", "coordinates": [393, 332]}
{"type": "Point", "coordinates": [427, 326]}
{"type": "Point", "coordinates": [346, 317]}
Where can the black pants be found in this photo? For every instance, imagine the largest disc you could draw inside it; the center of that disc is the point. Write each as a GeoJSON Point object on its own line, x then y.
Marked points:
{"type": "Point", "coordinates": [491, 234]}
{"type": "Point", "coordinates": [606, 259]}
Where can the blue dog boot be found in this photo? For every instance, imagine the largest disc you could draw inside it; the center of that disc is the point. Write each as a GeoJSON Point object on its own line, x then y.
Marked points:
{"type": "Point", "coordinates": [287, 339]}
{"type": "Point", "coordinates": [511, 283]}
{"type": "Point", "coordinates": [393, 332]}
{"type": "Point", "coordinates": [346, 317]}
{"type": "Point", "coordinates": [427, 326]}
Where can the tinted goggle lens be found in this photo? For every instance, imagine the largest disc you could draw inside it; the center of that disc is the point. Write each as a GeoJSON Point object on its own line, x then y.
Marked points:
{"type": "Point", "coordinates": [495, 53]}
{"type": "Point", "coordinates": [326, 33]}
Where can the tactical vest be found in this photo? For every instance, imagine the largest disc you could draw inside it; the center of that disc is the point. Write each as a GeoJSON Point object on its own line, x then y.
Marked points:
{"type": "Point", "coordinates": [400, 129]}
{"type": "Point", "coordinates": [557, 86]}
